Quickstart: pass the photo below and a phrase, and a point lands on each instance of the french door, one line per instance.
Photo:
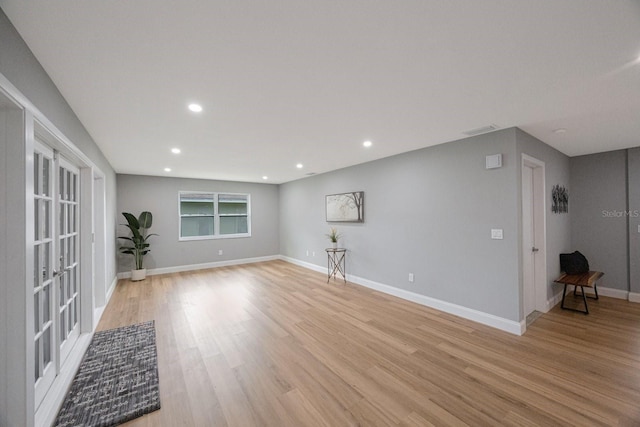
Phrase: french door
(56, 290)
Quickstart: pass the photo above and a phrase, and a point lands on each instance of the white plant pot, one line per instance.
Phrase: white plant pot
(335, 245)
(137, 275)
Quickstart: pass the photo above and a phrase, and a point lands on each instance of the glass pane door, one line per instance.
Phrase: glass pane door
(68, 271)
(56, 287)
(44, 282)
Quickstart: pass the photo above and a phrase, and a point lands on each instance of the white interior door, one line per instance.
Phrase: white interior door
(56, 287)
(44, 250)
(534, 265)
(528, 241)
(68, 271)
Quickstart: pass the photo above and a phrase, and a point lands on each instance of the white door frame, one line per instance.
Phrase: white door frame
(100, 279)
(17, 369)
(540, 231)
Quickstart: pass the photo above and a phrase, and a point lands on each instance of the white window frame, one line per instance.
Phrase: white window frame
(216, 217)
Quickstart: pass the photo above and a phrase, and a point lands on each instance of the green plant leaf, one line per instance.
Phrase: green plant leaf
(131, 220)
(145, 220)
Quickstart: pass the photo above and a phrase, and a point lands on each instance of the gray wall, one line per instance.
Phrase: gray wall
(605, 206)
(13, 268)
(23, 70)
(598, 203)
(159, 195)
(558, 226)
(633, 169)
(427, 212)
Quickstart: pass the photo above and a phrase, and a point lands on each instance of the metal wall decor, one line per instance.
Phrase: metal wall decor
(345, 207)
(560, 197)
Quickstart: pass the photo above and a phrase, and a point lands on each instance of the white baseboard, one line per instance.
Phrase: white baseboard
(192, 267)
(97, 313)
(611, 292)
(111, 289)
(605, 292)
(503, 324)
(308, 265)
(553, 301)
(634, 297)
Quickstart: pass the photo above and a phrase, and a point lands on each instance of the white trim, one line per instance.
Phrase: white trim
(215, 199)
(611, 292)
(541, 262)
(501, 323)
(98, 311)
(43, 121)
(553, 301)
(85, 240)
(634, 297)
(46, 413)
(112, 288)
(35, 122)
(602, 291)
(304, 264)
(191, 267)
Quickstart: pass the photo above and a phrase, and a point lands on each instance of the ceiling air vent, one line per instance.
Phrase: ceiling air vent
(483, 129)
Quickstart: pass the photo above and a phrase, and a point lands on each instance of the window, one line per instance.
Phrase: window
(214, 215)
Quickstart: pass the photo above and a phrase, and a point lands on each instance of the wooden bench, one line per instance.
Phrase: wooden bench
(586, 279)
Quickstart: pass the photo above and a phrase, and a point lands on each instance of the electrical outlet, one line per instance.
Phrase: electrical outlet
(410, 277)
(220, 252)
(313, 253)
(307, 252)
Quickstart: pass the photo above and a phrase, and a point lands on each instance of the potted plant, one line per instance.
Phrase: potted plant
(333, 236)
(138, 247)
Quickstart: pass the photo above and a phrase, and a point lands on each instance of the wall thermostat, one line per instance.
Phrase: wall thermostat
(494, 161)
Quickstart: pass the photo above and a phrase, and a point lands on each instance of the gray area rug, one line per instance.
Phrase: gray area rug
(117, 380)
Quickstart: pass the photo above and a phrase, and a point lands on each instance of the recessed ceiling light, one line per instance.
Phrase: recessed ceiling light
(167, 169)
(196, 108)
(560, 130)
(299, 165)
(175, 150)
(265, 177)
(367, 144)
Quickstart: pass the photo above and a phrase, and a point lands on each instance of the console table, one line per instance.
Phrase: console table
(336, 263)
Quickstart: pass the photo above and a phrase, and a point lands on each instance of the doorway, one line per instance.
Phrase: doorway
(534, 268)
(56, 290)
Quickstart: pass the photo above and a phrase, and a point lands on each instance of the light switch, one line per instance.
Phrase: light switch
(639, 229)
(496, 233)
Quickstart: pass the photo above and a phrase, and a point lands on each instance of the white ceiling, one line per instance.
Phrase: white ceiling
(288, 81)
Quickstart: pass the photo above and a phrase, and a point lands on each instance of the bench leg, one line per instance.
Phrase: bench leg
(584, 298)
(564, 294)
(595, 289)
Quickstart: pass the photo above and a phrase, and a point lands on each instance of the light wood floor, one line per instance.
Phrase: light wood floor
(272, 344)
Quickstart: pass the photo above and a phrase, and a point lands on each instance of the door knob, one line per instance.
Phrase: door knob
(534, 249)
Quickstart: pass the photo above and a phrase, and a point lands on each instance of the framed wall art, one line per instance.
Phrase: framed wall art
(345, 207)
(560, 198)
